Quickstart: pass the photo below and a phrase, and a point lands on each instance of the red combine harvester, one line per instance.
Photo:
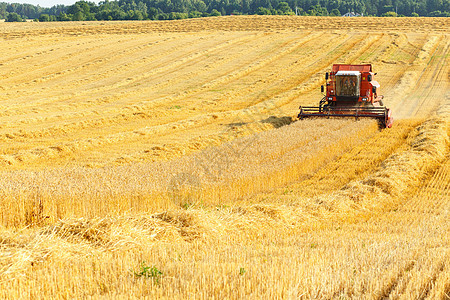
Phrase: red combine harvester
(351, 92)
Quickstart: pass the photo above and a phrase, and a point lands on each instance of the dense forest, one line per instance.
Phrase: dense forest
(181, 9)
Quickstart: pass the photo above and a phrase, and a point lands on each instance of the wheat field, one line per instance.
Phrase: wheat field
(163, 159)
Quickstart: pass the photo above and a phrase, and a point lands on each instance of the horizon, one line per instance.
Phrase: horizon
(48, 3)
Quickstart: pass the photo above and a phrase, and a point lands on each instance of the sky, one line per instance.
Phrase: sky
(47, 3)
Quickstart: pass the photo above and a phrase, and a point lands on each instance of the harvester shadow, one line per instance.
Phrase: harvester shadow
(276, 122)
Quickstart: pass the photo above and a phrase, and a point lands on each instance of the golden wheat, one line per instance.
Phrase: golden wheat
(161, 160)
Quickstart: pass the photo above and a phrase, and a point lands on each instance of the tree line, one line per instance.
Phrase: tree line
(182, 9)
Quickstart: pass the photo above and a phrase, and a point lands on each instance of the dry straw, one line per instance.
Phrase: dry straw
(217, 175)
(235, 250)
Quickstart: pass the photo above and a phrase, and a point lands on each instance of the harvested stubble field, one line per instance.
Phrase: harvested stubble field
(162, 160)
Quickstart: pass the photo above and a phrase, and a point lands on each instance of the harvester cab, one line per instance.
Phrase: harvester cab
(350, 92)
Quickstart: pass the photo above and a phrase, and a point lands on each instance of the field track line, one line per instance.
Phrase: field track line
(438, 83)
(194, 53)
(38, 48)
(230, 43)
(413, 52)
(54, 56)
(135, 108)
(109, 56)
(411, 100)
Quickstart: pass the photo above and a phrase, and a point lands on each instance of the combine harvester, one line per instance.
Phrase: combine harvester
(351, 92)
